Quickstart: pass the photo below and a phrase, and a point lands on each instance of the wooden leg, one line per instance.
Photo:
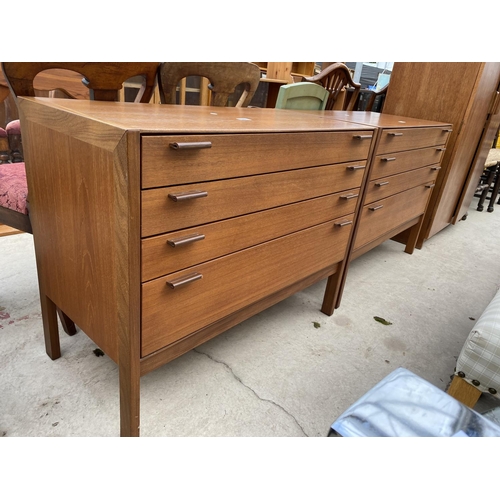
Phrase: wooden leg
(50, 328)
(413, 236)
(464, 392)
(129, 399)
(331, 294)
(67, 323)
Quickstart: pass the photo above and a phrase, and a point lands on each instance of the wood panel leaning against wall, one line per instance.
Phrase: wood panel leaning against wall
(466, 95)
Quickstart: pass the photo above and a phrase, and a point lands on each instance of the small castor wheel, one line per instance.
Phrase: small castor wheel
(465, 217)
(490, 209)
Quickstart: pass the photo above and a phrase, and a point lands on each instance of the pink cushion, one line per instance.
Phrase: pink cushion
(14, 127)
(13, 187)
(3, 133)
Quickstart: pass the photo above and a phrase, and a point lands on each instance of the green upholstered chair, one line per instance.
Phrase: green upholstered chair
(303, 96)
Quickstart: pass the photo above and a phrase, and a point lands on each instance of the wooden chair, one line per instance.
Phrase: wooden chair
(224, 77)
(335, 78)
(303, 96)
(380, 94)
(104, 81)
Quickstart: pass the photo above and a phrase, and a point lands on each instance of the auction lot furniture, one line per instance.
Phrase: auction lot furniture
(176, 223)
(405, 405)
(171, 224)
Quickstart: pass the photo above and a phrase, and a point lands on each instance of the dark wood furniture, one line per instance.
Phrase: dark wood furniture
(223, 79)
(335, 78)
(104, 80)
(467, 96)
(181, 223)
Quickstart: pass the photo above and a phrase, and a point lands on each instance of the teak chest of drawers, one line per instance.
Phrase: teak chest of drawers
(404, 162)
(158, 227)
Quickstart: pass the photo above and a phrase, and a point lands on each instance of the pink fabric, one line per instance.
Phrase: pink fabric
(3, 133)
(13, 187)
(14, 127)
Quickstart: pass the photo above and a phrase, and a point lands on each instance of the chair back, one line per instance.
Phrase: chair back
(224, 77)
(334, 78)
(373, 97)
(104, 80)
(303, 96)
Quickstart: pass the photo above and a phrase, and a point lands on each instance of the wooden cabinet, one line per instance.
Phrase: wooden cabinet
(158, 227)
(466, 95)
(403, 165)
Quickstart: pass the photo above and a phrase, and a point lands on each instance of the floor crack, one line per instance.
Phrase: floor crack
(250, 389)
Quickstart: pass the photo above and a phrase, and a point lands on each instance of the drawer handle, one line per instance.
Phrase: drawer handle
(379, 184)
(430, 185)
(447, 130)
(361, 137)
(184, 240)
(435, 168)
(388, 159)
(349, 196)
(189, 278)
(395, 134)
(343, 223)
(378, 207)
(190, 145)
(187, 195)
(355, 167)
(440, 149)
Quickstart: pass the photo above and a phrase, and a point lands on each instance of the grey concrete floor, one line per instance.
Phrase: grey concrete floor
(276, 374)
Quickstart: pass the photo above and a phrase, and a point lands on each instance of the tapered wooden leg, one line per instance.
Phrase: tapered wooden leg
(331, 293)
(413, 236)
(50, 328)
(66, 322)
(464, 392)
(129, 399)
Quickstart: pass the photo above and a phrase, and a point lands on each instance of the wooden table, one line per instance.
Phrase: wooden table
(158, 227)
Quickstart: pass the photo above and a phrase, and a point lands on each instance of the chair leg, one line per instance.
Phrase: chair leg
(67, 323)
(496, 188)
(482, 198)
(464, 392)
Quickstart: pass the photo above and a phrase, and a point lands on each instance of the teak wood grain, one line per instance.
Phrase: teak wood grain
(228, 236)
(233, 197)
(235, 281)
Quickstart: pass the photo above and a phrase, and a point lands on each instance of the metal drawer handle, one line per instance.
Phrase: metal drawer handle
(447, 130)
(190, 145)
(349, 196)
(355, 167)
(435, 168)
(360, 137)
(379, 184)
(376, 208)
(440, 149)
(184, 240)
(187, 195)
(388, 159)
(343, 223)
(189, 278)
(430, 185)
(395, 134)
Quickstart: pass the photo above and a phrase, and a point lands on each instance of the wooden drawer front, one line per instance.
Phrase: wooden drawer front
(235, 281)
(391, 164)
(159, 257)
(411, 138)
(239, 155)
(387, 186)
(395, 210)
(244, 195)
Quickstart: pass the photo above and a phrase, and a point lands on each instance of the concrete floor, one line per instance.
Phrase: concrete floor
(276, 374)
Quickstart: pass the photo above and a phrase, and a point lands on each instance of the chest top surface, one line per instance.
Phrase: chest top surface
(164, 118)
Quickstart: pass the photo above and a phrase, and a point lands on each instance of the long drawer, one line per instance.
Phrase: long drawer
(393, 184)
(386, 214)
(396, 163)
(238, 155)
(394, 140)
(233, 197)
(221, 286)
(171, 252)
